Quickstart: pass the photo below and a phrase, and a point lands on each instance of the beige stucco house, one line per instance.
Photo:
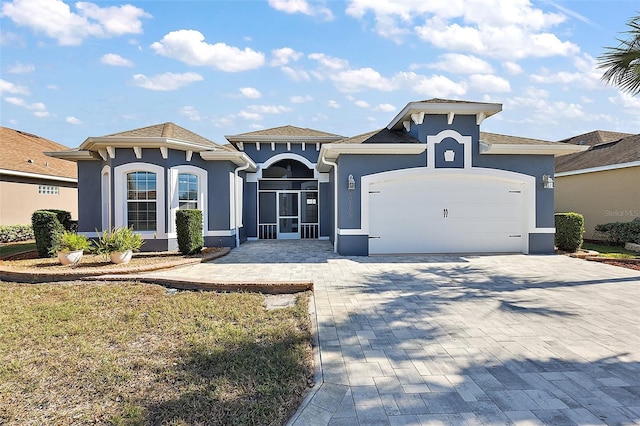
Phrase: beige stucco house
(30, 180)
(602, 183)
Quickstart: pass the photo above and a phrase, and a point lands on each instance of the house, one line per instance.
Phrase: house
(30, 180)
(429, 182)
(603, 183)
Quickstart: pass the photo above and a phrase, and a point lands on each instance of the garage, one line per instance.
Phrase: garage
(448, 212)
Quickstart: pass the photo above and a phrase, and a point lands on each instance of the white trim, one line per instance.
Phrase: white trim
(599, 169)
(282, 138)
(236, 157)
(164, 151)
(172, 178)
(95, 143)
(543, 231)
(529, 201)
(252, 177)
(350, 232)
(111, 151)
(36, 176)
(273, 146)
(443, 108)
(287, 156)
(322, 177)
(138, 152)
(103, 154)
(188, 155)
(223, 233)
(433, 140)
(232, 196)
(332, 151)
(105, 197)
(120, 199)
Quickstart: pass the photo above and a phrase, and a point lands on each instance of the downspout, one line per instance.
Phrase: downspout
(235, 200)
(335, 202)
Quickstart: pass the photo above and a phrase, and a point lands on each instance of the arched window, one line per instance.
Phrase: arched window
(142, 213)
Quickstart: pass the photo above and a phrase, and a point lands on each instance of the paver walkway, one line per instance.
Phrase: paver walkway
(459, 339)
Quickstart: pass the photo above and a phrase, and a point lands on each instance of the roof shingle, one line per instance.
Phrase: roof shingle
(24, 152)
(620, 151)
(287, 131)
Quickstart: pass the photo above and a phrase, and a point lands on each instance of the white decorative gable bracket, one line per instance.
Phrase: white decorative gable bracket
(165, 152)
(407, 125)
(450, 117)
(480, 117)
(418, 117)
(112, 152)
(138, 151)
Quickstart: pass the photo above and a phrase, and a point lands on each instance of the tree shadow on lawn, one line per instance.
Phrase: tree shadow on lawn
(250, 383)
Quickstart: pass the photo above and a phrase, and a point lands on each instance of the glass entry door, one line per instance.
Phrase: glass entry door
(288, 215)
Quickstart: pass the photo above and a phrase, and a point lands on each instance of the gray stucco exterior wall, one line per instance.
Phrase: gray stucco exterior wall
(265, 152)
(89, 196)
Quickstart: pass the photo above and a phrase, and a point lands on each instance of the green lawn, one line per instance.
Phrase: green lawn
(129, 354)
(614, 252)
(8, 249)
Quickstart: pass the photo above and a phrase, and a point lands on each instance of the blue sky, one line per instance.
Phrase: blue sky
(70, 70)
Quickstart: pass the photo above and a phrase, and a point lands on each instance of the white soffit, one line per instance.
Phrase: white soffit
(448, 108)
(237, 158)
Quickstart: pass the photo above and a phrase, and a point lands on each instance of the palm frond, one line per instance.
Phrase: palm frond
(622, 63)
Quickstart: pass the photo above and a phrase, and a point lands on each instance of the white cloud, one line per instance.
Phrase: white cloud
(333, 104)
(303, 7)
(489, 83)
(8, 87)
(296, 75)
(72, 120)
(586, 75)
(385, 108)
(284, 56)
(19, 68)
(39, 109)
(436, 86)
(493, 28)
(462, 64)
(188, 46)
(246, 115)
(250, 93)
(361, 104)
(167, 81)
(191, 113)
(330, 62)
(512, 67)
(630, 103)
(300, 99)
(115, 60)
(268, 109)
(56, 19)
(355, 80)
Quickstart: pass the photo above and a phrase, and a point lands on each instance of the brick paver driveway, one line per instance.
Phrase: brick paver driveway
(460, 339)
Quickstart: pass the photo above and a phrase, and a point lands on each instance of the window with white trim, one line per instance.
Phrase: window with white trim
(48, 190)
(141, 201)
(187, 191)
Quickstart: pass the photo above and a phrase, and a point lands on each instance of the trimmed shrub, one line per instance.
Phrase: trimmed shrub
(64, 217)
(14, 233)
(47, 230)
(619, 233)
(189, 229)
(569, 231)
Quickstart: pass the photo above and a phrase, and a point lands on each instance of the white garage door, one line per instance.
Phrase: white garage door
(431, 214)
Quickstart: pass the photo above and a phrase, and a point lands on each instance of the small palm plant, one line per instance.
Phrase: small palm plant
(70, 246)
(118, 240)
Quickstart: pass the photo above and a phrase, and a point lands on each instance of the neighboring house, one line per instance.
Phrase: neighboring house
(430, 182)
(603, 183)
(30, 180)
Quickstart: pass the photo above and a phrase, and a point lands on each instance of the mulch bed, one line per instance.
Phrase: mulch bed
(27, 267)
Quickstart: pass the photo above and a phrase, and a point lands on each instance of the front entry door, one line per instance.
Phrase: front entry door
(288, 215)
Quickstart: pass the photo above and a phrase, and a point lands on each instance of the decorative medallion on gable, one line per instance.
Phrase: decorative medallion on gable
(449, 150)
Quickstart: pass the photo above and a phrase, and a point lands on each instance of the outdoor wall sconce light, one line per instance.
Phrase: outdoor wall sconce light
(352, 183)
(547, 182)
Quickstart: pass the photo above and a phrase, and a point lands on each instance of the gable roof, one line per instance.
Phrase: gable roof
(381, 136)
(596, 137)
(22, 153)
(617, 152)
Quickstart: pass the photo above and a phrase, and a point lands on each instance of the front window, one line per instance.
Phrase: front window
(141, 201)
(187, 191)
